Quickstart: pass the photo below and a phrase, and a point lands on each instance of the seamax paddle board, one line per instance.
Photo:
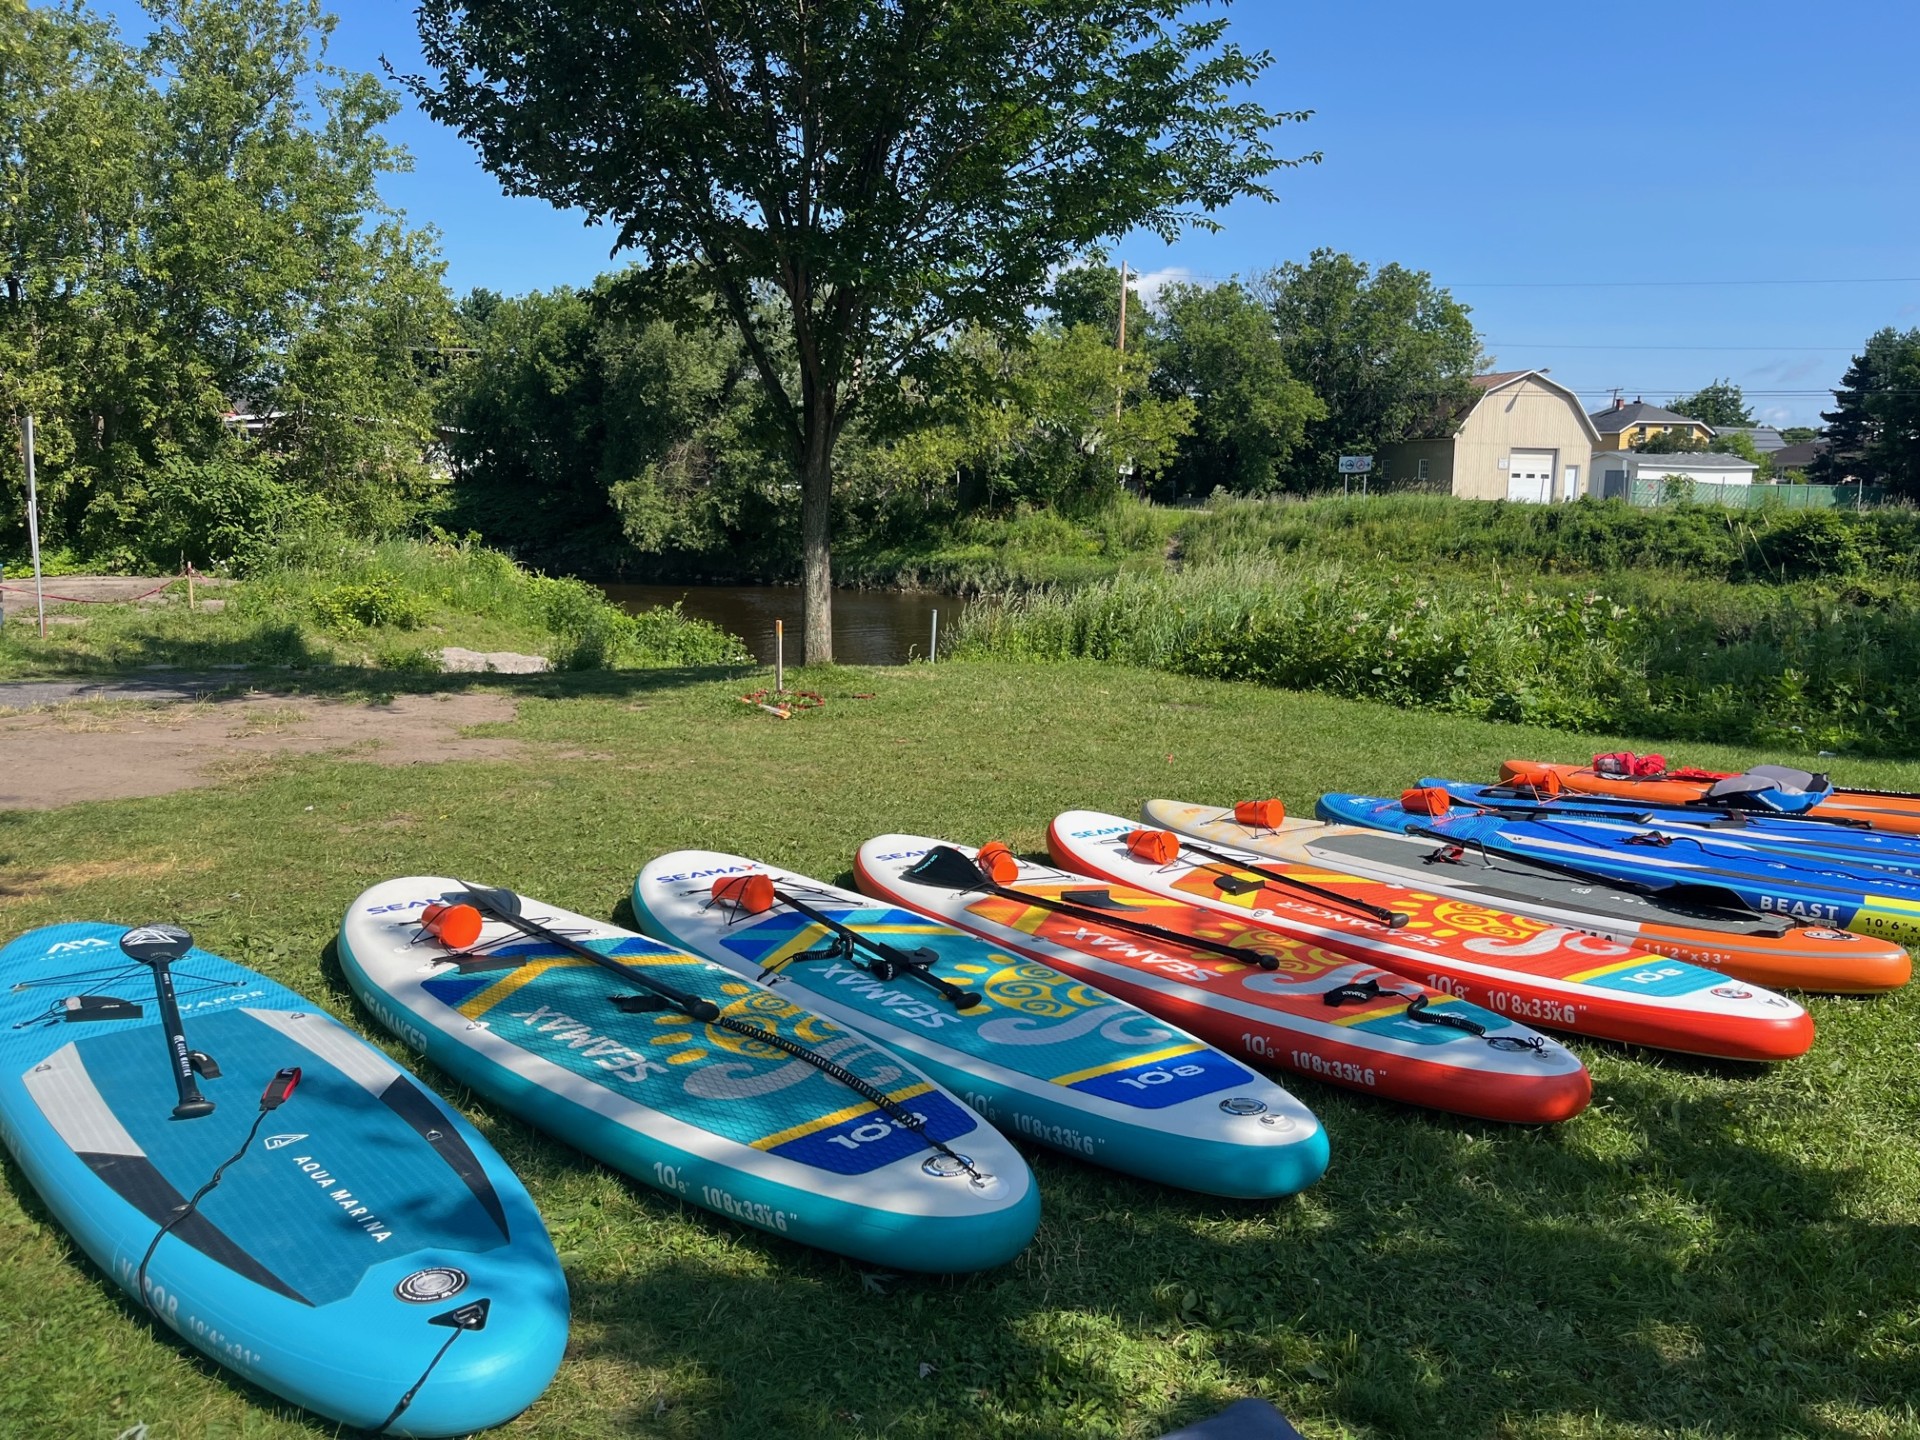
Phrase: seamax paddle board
(875, 1162)
(1549, 975)
(1807, 890)
(1314, 1012)
(365, 1254)
(1037, 1051)
(1765, 949)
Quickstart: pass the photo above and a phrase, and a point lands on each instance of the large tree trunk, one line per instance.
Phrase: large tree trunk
(816, 543)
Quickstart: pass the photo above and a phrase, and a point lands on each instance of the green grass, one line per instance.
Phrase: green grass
(366, 607)
(1711, 1250)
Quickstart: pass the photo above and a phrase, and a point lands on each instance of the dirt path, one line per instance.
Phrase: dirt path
(74, 753)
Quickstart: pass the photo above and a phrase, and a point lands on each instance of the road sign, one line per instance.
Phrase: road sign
(1355, 464)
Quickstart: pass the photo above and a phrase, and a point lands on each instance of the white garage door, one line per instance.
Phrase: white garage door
(1530, 476)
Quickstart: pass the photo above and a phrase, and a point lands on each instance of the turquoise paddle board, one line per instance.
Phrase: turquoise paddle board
(1041, 1054)
(365, 1254)
(705, 1112)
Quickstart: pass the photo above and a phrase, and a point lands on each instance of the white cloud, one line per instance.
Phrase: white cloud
(1150, 283)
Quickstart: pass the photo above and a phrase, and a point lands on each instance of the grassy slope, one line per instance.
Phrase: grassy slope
(1711, 1250)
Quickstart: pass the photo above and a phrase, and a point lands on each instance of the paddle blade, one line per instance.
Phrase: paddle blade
(1259, 814)
(750, 893)
(947, 868)
(996, 862)
(156, 944)
(1159, 847)
(1426, 800)
(491, 900)
(454, 926)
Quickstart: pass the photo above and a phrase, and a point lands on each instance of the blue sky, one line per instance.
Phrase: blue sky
(1543, 161)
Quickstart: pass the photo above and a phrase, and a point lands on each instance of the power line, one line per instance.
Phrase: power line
(1671, 284)
(1580, 345)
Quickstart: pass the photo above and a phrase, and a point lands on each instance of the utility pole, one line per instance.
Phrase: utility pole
(33, 497)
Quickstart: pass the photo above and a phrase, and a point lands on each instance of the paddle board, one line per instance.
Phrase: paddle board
(1042, 1054)
(1765, 949)
(363, 1239)
(1805, 890)
(1548, 975)
(697, 1111)
(1882, 809)
(1283, 1017)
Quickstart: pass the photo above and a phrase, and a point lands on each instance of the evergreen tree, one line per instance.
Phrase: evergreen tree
(1873, 431)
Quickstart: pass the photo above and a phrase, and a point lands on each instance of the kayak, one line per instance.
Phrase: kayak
(1313, 1012)
(737, 1100)
(1790, 835)
(1764, 949)
(1808, 891)
(1894, 810)
(341, 1238)
(1549, 975)
(1036, 1051)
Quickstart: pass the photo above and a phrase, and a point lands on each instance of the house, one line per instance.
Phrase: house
(1615, 471)
(1624, 426)
(1765, 438)
(1797, 457)
(1522, 436)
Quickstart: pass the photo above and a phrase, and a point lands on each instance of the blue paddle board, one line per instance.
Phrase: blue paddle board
(1040, 1053)
(363, 1239)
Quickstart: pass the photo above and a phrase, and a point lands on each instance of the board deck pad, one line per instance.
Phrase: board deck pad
(1553, 975)
(1044, 1054)
(1765, 949)
(290, 1272)
(1280, 1016)
(699, 1111)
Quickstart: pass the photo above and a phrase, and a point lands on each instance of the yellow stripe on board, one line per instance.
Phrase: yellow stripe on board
(1614, 967)
(838, 1117)
(477, 1004)
(1151, 1057)
(1365, 1015)
(1898, 906)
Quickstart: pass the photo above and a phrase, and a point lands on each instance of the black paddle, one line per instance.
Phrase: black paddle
(1391, 919)
(1711, 812)
(949, 869)
(504, 906)
(157, 947)
(887, 961)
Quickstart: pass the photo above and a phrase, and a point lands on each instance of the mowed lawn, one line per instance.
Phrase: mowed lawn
(1710, 1250)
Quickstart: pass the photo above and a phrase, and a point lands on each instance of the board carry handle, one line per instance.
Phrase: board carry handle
(157, 947)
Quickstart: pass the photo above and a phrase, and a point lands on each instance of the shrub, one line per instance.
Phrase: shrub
(357, 605)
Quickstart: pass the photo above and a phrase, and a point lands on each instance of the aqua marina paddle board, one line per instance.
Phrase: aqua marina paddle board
(912, 1179)
(363, 1240)
(1040, 1053)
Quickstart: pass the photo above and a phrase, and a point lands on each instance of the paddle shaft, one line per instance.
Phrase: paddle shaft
(1392, 919)
(960, 999)
(1610, 807)
(1137, 927)
(695, 1007)
(192, 1104)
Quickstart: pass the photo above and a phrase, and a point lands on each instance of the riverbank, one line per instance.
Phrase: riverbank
(1636, 1273)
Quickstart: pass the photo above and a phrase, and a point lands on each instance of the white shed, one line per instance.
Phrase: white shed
(1614, 472)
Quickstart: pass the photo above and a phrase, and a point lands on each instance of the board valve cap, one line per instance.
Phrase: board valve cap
(455, 926)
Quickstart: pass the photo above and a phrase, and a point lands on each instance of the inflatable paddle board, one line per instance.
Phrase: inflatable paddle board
(850, 1150)
(1789, 835)
(1035, 1050)
(1767, 950)
(1555, 976)
(1314, 1012)
(1882, 809)
(1803, 889)
(365, 1254)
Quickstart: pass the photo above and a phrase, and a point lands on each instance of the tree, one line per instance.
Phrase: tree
(1216, 346)
(1389, 354)
(1873, 431)
(1799, 434)
(887, 170)
(1720, 404)
(1675, 441)
(1089, 294)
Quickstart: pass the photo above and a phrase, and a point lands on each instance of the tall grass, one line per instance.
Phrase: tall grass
(1670, 659)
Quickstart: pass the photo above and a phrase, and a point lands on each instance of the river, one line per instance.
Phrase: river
(870, 627)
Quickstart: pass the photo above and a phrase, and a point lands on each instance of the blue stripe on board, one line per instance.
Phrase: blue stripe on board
(1168, 1082)
(868, 1141)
